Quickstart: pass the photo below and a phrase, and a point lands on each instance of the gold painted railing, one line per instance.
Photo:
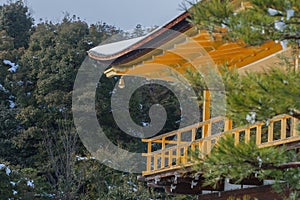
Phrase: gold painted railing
(171, 150)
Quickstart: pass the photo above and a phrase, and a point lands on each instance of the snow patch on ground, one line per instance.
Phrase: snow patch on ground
(2, 166)
(12, 104)
(30, 183)
(273, 12)
(13, 67)
(290, 13)
(279, 25)
(7, 171)
(79, 158)
(20, 83)
(2, 88)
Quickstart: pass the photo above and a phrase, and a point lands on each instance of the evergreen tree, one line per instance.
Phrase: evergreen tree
(9, 124)
(48, 71)
(247, 161)
(263, 95)
(138, 31)
(31, 134)
(15, 19)
(8, 130)
(254, 21)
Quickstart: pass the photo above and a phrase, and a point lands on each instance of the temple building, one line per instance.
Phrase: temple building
(173, 49)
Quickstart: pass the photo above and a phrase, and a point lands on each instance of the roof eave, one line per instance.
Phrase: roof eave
(179, 24)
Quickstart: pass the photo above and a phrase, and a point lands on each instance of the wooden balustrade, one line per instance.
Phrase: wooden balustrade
(171, 150)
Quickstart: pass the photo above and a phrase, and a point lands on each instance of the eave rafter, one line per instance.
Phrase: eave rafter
(203, 47)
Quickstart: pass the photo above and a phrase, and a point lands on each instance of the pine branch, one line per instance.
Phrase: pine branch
(296, 113)
(270, 166)
(290, 37)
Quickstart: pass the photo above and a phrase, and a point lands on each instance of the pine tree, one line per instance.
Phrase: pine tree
(254, 22)
(30, 134)
(259, 96)
(15, 19)
(246, 161)
(264, 94)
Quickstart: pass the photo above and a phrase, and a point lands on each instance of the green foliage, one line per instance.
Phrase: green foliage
(237, 162)
(245, 197)
(266, 94)
(17, 22)
(21, 183)
(246, 160)
(7, 42)
(210, 15)
(48, 71)
(37, 136)
(254, 22)
(8, 130)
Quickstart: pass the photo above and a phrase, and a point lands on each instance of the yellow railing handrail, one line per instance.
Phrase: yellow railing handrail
(187, 128)
(240, 129)
(169, 149)
(163, 159)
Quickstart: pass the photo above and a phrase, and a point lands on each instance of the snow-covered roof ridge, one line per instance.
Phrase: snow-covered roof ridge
(115, 47)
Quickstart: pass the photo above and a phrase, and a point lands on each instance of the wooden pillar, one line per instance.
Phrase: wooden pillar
(206, 112)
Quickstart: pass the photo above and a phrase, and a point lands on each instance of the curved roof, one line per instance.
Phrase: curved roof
(134, 56)
(127, 50)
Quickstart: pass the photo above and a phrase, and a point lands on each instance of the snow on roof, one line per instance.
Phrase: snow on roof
(113, 49)
(116, 47)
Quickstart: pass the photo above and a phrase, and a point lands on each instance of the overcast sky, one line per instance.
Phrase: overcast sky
(124, 14)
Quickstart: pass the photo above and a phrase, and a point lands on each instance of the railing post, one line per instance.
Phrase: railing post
(294, 127)
(208, 146)
(206, 111)
(163, 147)
(200, 147)
(178, 149)
(149, 156)
(236, 137)
(209, 129)
(193, 139)
(155, 162)
(247, 135)
(227, 125)
(170, 158)
(185, 155)
(204, 147)
(271, 132)
(258, 134)
(283, 129)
